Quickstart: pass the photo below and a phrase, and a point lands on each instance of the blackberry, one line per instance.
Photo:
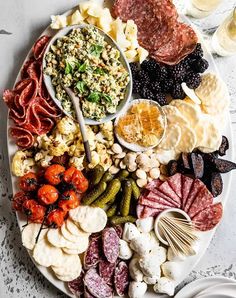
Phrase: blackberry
(193, 80)
(198, 52)
(150, 66)
(178, 72)
(163, 75)
(134, 68)
(177, 92)
(147, 93)
(143, 77)
(161, 99)
(200, 65)
(156, 87)
(137, 86)
(167, 85)
(186, 63)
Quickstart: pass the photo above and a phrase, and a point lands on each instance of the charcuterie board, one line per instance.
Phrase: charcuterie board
(54, 274)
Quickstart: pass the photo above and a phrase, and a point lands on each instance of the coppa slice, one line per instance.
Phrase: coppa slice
(208, 218)
(110, 242)
(203, 200)
(186, 187)
(168, 191)
(196, 187)
(175, 183)
(96, 285)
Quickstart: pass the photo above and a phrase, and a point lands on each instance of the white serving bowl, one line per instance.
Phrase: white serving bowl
(48, 82)
(132, 146)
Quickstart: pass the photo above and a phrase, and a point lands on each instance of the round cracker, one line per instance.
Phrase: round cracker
(71, 264)
(46, 254)
(170, 110)
(200, 132)
(212, 138)
(71, 251)
(67, 278)
(74, 228)
(91, 219)
(68, 236)
(187, 141)
(171, 137)
(29, 234)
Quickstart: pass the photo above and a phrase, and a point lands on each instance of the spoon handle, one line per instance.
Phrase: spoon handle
(82, 126)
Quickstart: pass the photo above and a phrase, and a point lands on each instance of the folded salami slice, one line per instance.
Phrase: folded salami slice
(155, 197)
(168, 199)
(145, 211)
(121, 278)
(195, 189)
(106, 271)
(119, 230)
(110, 242)
(168, 191)
(93, 254)
(96, 285)
(40, 46)
(146, 202)
(76, 286)
(24, 139)
(154, 184)
(175, 183)
(208, 218)
(203, 200)
(186, 187)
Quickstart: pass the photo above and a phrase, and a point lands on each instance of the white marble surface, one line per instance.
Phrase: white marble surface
(24, 20)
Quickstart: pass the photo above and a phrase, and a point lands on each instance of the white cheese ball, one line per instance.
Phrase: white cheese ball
(164, 286)
(149, 266)
(172, 270)
(172, 257)
(145, 225)
(151, 280)
(134, 270)
(137, 289)
(125, 252)
(154, 240)
(130, 232)
(141, 244)
(159, 254)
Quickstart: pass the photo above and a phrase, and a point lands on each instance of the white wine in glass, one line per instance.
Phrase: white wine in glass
(224, 39)
(201, 8)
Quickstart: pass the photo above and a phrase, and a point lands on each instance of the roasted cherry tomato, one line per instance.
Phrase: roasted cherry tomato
(54, 174)
(19, 199)
(29, 182)
(69, 200)
(76, 178)
(56, 218)
(34, 211)
(47, 194)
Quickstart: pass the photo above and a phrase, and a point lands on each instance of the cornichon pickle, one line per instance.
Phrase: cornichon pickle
(112, 210)
(107, 177)
(117, 220)
(96, 175)
(126, 198)
(135, 189)
(123, 174)
(91, 196)
(110, 193)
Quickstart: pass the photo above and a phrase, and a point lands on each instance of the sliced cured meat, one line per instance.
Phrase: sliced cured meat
(93, 253)
(24, 71)
(96, 285)
(155, 197)
(121, 278)
(150, 212)
(76, 286)
(168, 199)
(208, 218)
(175, 183)
(195, 189)
(24, 139)
(110, 243)
(40, 47)
(140, 210)
(119, 230)
(106, 271)
(168, 191)
(186, 187)
(154, 184)
(146, 202)
(203, 200)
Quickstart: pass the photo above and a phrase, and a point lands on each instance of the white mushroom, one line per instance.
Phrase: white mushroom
(165, 286)
(116, 148)
(141, 182)
(134, 270)
(137, 289)
(141, 174)
(130, 232)
(141, 245)
(125, 252)
(130, 158)
(172, 270)
(154, 173)
(145, 225)
(151, 280)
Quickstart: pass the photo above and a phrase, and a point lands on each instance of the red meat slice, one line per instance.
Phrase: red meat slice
(24, 139)
(154, 184)
(195, 189)
(175, 183)
(155, 197)
(40, 46)
(146, 202)
(208, 218)
(203, 200)
(168, 199)
(186, 187)
(145, 211)
(168, 191)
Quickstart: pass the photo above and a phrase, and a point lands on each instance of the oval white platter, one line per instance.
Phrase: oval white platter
(206, 237)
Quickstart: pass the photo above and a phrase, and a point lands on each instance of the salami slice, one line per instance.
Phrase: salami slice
(195, 189)
(106, 271)
(167, 199)
(110, 242)
(76, 286)
(96, 285)
(24, 139)
(150, 212)
(175, 183)
(150, 203)
(119, 230)
(121, 278)
(93, 254)
(40, 46)
(140, 211)
(154, 184)
(208, 218)
(186, 187)
(203, 200)
(168, 191)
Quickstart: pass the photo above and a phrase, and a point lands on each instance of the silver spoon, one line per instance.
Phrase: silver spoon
(80, 118)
